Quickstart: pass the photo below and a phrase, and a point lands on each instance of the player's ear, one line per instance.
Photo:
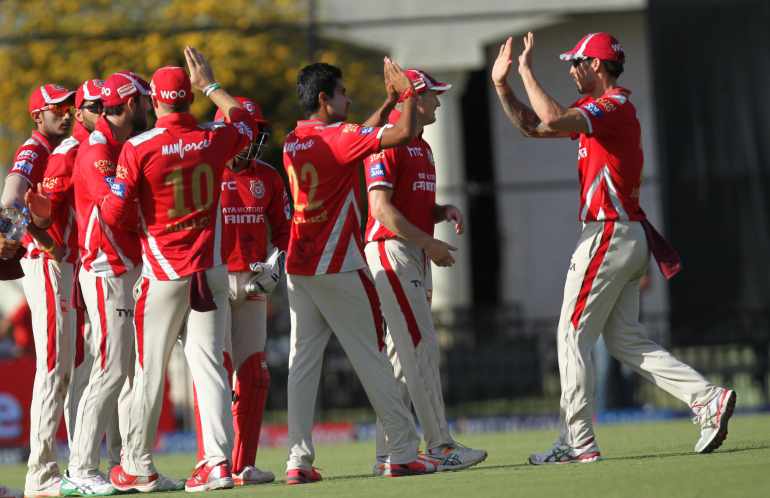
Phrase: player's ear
(323, 99)
(37, 117)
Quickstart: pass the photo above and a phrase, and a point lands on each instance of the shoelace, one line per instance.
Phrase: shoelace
(704, 416)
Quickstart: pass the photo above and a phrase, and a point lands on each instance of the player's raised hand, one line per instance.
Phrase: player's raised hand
(396, 76)
(201, 74)
(440, 252)
(525, 59)
(502, 65)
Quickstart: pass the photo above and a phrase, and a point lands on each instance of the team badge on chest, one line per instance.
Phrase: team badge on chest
(257, 188)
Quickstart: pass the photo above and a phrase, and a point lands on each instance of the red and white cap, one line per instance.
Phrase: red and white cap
(89, 91)
(171, 85)
(45, 95)
(601, 46)
(423, 82)
(121, 86)
(250, 106)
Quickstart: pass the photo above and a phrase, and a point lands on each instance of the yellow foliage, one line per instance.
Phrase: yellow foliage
(255, 47)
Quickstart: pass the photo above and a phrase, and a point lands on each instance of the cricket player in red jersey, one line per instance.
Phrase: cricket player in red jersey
(111, 263)
(46, 283)
(601, 295)
(255, 218)
(330, 288)
(401, 182)
(57, 185)
(174, 171)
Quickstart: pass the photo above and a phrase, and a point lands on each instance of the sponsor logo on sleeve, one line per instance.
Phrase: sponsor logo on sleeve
(244, 129)
(605, 104)
(350, 128)
(24, 167)
(118, 188)
(366, 130)
(377, 170)
(27, 154)
(121, 172)
(105, 167)
(50, 183)
(593, 109)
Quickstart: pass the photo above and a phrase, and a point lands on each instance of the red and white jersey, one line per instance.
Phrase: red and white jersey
(323, 165)
(105, 250)
(409, 171)
(58, 187)
(610, 158)
(175, 172)
(29, 162)
(255, 212)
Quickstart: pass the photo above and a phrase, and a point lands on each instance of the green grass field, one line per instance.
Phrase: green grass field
(651, 460)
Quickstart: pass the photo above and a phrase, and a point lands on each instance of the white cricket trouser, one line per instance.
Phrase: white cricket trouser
(247, 320)
(601, 296)
(402, 274)
(346, 304)
(47, 285)
(162, 309)
(110, 305)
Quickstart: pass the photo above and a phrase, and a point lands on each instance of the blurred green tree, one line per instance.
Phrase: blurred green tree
(255, 47)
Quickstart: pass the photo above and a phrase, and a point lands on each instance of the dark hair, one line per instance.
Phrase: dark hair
(314, 79)
(183, 106)
(613, 68)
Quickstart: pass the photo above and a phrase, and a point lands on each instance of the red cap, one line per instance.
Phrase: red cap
(422, 82)
(89, 91)
(48, 94)
(170, 85)
(601, 46)
(121, 86)
(250, 106)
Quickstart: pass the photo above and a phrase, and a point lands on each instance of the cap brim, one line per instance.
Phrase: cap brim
(440, 87)
(567, 56)
(62, 98)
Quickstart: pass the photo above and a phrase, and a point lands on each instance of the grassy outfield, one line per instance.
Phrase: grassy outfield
(640, 460)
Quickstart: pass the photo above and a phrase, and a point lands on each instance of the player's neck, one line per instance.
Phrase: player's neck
(603, 86)
(53, 140)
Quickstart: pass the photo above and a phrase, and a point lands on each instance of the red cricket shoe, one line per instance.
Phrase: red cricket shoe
(414, 468)
(123, 481)
(207, 477)
(302, 476)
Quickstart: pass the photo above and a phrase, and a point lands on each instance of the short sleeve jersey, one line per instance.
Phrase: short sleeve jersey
(58, 187)
(255, 213)
(175, 172)
(30, 162)
(409, 171)
(323, 163)
(610, 158)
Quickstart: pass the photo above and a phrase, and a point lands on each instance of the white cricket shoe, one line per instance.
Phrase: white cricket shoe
(562, 453)
(252, 475)
(455, 456)
(6, 492)
(713, 418)
(52, 489)
(86, 486)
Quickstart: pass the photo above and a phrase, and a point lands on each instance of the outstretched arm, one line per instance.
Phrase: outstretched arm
(552, 115)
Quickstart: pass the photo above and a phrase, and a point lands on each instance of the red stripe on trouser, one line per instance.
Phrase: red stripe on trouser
(591, 272)
(374, 303)
(139, 320)
(101, 307)
(398, 290)
(50, 314)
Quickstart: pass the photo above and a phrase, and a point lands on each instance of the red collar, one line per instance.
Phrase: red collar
(103, 126)
(305, 123)
(80, 132)
(617, 89)
(42, 139)
(177, 120)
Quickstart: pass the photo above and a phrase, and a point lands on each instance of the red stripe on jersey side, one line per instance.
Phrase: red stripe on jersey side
(374, 303)
(51, 303)
(102, 310)
(591, 271)
(347, 232)
(139, 319)
(80, 335)
(398, 290)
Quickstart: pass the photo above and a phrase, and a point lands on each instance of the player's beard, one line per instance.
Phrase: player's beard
(139, 122)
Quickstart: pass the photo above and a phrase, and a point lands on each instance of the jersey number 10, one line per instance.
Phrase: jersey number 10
(202, 179)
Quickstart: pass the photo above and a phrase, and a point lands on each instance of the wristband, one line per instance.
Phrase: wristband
(409, 92)
(211, 88)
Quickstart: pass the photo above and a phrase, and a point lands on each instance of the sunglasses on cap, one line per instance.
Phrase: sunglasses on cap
(577, 62)
(58, 109)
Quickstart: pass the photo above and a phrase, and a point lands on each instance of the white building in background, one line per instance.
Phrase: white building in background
(538, 198)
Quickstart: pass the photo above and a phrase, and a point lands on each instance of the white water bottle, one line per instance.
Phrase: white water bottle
(13, 222)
